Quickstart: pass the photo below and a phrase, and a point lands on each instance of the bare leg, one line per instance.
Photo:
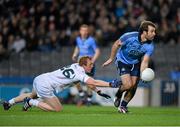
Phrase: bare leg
(89, 96)
(8, 104)
(54, 102)
(126, 85)
(130, 93)
(78, 86)
(21, 97)
(48, 104)
(81, 94)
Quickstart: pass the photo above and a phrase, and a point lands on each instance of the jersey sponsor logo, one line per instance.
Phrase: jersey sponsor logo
(134, 50)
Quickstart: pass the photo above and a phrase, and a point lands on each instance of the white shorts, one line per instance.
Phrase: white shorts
(42, 88)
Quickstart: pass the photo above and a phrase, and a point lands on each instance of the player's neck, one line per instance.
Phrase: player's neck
(84, 37)
(143, 38)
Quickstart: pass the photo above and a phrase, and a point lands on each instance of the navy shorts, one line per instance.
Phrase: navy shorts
(132, 69)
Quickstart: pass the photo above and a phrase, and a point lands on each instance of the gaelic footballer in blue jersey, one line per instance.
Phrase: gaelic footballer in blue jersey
(131, 53)
(85, 46)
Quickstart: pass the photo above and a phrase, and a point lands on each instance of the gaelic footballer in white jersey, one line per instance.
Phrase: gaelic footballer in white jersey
(45, 84)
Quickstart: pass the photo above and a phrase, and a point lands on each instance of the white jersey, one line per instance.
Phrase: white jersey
(62, 77)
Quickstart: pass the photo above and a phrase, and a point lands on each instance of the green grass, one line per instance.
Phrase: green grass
(91, 116)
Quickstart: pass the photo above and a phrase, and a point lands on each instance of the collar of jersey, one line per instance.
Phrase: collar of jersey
(139, 39)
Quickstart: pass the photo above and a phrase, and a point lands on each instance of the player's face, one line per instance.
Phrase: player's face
(89, 66)
(84, 31)
(150, 33)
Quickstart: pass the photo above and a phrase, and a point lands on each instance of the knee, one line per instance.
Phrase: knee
(128, 86)
(58, 109)
(31, 95)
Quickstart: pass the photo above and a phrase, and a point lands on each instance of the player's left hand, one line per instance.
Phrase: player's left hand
(103, 94)
(115, 83)
(107, 62)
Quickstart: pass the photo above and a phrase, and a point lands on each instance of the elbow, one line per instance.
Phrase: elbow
(117, 44)
(98, 52)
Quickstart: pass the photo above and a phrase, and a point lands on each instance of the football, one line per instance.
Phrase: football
(147, 75)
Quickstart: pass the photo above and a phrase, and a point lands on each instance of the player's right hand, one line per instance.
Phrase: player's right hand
(74, 58)
(142, 81)
(107, 62)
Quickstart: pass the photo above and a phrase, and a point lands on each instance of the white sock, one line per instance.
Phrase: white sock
(81, 94)
(11, 102)
(89, 99)
(34, 102)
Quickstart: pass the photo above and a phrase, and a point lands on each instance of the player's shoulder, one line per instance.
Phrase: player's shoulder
(134, 33)
(77, 67)
(91, 41)
(129, 35)
(90, 37)
(149, 46)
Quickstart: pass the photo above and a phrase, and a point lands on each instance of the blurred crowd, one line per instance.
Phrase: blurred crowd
(47, 25)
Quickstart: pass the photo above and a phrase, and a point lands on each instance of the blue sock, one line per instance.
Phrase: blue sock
(124, 103)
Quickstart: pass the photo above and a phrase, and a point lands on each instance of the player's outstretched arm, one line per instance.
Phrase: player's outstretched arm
(101, 83)
(114, 83)
(114, 49)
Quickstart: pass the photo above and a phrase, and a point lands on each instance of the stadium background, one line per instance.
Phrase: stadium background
(37, 36)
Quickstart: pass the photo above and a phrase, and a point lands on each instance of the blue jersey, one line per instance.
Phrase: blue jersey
(86, 47)
(132, 50)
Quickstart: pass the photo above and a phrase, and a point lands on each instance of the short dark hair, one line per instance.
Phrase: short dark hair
(144, 26)
(84, 26)
(83, 60)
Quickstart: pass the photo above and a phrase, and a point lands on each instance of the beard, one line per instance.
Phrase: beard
(150, 38)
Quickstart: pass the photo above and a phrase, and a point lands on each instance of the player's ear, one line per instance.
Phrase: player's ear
(84, 66)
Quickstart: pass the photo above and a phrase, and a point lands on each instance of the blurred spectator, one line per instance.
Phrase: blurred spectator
(175, 74)
(32, 40)
(17, 45)
(35, 20)
(3, 52)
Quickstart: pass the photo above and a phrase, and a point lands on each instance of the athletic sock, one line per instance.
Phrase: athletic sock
(81, 94)
(119, 93)
(12, 101)
(89, 98)
(34, 102)
(124, 103)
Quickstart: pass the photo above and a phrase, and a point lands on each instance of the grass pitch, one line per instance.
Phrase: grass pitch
(72, 115)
